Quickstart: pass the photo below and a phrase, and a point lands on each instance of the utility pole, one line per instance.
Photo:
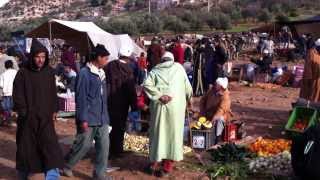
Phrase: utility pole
(149, 6)
(208, 6)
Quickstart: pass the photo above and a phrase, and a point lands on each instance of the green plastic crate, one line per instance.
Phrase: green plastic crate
(301, 112)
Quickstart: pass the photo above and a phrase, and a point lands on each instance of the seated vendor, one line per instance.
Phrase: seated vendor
(215, 105)
(264, 62)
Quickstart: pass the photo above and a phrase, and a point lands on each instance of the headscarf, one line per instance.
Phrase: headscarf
(167, 56)
(223, 82)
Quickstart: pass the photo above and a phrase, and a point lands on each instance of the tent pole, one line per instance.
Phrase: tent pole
(50, 31)
(89, 47)
(274, 29)
(50, 41)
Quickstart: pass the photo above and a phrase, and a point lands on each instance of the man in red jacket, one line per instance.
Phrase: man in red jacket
(178, 52)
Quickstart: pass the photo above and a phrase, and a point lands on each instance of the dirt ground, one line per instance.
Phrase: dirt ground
(264, 111)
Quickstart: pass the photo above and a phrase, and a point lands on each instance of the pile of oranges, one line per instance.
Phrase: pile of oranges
(268, 147)
(267, 86)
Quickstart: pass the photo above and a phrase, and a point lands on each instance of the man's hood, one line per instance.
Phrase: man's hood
(37, 47)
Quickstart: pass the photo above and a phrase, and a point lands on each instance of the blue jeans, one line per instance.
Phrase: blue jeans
(7, 106)
(52, 174)
(7, 103)
(134, 117)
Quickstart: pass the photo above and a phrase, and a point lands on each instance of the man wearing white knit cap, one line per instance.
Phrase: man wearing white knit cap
(121, 96)
(310, 89)
(215, 105)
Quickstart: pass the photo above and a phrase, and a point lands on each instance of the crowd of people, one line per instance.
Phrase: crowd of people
(105, 92)
(161, 81)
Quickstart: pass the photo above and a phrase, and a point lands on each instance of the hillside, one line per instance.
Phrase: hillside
(131, 16)
(23, 10)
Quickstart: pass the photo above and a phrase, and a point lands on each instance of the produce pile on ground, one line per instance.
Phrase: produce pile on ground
(269, 147)
(276, 164)
(229, 153)
(273, 156)
(267, 86)
(229, 160)
(264, 156)
(140, 144)
(234, 170)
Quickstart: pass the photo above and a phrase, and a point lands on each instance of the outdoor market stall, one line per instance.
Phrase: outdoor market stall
(84, 35)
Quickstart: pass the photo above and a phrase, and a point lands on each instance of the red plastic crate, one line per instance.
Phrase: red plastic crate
(230, 132)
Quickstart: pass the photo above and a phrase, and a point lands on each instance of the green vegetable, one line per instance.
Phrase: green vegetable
(234, 170)
(229, 153)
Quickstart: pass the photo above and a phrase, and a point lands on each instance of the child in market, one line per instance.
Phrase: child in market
(6, 84)
(136, 116)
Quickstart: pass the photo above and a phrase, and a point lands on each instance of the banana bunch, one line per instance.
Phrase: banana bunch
(140, 144)
(202, 123)
(136, 143)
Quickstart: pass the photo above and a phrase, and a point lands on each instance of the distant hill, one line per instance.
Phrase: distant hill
(23, 10)
(129, 16)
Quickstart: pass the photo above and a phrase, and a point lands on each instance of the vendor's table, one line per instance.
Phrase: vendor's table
(64, 114)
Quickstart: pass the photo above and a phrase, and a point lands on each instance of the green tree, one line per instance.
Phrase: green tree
(249, 13)
(149, 24)
(276, 8)
(135, 4)
(5, 32)
(282, 18)
(293, 13)
(212, 21)
(265, 16)
(288, 5)
(194, 19)
(236, 15)
(172, 23)
(224, 22)
(140, 3)
(107, 9)
(197, 21)
(130, 4)
(119, 26)
(227, 7)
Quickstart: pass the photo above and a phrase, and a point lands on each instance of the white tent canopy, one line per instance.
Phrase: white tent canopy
(83, 35)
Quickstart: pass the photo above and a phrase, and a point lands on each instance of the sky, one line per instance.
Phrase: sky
(3, 2)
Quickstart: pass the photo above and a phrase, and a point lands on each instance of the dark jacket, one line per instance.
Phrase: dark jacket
(265, 64)
(209, 59)
(220, 58)
(121, 90)
(91, 99)
(35, 100)
(154, 54)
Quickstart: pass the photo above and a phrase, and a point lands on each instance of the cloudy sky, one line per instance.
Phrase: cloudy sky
(2, 2)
